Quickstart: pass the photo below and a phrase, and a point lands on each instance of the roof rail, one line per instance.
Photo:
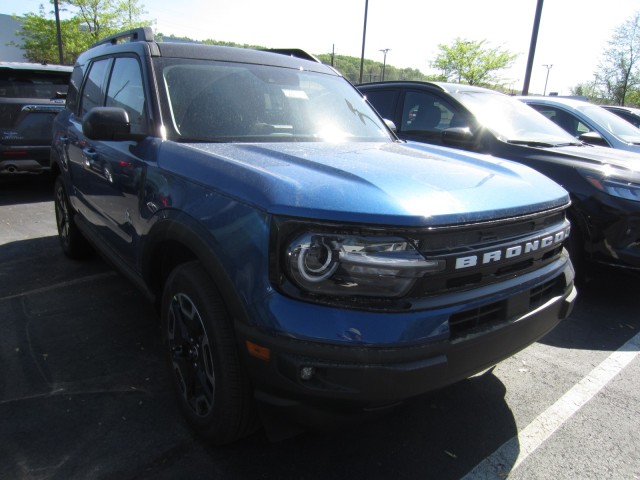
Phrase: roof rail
(143, 34)
(294, 52)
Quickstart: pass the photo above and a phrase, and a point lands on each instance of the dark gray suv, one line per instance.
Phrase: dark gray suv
(31, 95)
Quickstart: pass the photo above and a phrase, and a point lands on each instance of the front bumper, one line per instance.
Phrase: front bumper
(308, 380)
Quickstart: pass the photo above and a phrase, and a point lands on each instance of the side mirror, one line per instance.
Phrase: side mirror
(593, 138)
(108, 124)
(390, 125)
(458, 137)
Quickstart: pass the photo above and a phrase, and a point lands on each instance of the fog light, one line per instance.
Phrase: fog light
(306, 373)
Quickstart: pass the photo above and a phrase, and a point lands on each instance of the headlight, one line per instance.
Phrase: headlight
(616, 187)
(351, 265)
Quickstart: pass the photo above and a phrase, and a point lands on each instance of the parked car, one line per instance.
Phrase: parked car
(299, 255)
(630, 114)
(31, 95)
(604, 183)
(588, 122)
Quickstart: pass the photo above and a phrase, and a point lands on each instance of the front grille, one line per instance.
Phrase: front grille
(487, 253)
(471, 320)
(484, 317)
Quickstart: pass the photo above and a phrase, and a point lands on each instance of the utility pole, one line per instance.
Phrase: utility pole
(532, 48)
(364, 36)
(58, 32)
(384, 62)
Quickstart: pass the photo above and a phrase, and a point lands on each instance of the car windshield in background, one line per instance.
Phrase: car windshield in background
(612, 123)
(32, 83)
(221, 101)
(513, 121)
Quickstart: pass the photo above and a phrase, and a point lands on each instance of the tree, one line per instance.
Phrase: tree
(90, 20)
(471, 62)
(589, 90)
(618, 73)
(101, 18)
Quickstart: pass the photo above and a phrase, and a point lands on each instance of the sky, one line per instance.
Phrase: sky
(572, 37)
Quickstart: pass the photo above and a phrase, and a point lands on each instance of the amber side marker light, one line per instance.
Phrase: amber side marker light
(260, 352)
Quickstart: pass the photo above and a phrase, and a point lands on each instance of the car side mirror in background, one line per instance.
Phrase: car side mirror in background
(108, 124)
(593, 138)
(390, 125)
(460, 137)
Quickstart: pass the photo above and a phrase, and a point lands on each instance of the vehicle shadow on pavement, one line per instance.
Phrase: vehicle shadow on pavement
(85, 393)
(441, 435)
(605, 316)
(20, 189)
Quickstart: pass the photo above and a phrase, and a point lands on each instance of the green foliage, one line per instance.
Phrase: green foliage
(40, 42)
(90, 21)
(471, 62)
(618, 74)
(349, 67)
(589, 90)
(101, 18)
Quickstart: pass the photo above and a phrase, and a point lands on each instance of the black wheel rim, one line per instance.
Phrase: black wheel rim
(62, 215)
(191, 355)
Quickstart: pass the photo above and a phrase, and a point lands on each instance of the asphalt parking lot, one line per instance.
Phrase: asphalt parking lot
(84, 391)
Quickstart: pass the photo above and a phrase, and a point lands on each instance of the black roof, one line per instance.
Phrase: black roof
(142, 42)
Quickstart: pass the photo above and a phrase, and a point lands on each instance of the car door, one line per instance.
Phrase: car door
(564, 119)
(385, 102)
(425, 115)
(117, 167)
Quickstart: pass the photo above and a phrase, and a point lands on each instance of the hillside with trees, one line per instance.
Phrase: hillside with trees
(616, 80)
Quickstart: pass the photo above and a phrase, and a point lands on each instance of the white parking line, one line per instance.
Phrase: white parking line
(498, 464)
(48, 288)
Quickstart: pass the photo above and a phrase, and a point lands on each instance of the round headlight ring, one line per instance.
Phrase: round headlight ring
(324, 265)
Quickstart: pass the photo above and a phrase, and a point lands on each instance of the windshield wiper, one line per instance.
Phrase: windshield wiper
(532, 143)
(203, 140)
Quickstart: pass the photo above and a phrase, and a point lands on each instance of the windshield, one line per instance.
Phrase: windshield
(513, 121)
(222, 101)
(612, 123)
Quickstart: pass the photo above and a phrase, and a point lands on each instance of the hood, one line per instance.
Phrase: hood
(600, 156)
(373, 183)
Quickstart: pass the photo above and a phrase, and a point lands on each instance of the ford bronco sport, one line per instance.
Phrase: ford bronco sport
(306, 264)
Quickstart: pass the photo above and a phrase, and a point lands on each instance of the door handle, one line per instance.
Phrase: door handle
(90, 157)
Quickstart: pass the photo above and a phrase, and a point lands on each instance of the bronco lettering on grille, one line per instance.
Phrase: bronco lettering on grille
(542, 242)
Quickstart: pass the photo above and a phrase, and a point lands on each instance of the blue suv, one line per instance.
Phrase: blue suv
(305, 263)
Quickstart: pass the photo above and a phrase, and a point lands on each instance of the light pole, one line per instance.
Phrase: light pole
(532, 48)
(547, 79)
(58, 32)
(384, 62)
(364, 36)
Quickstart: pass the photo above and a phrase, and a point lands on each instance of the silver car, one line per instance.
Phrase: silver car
(588, 122)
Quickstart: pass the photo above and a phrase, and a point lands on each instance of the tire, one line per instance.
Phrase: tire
(212, 386)
(73, 243)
